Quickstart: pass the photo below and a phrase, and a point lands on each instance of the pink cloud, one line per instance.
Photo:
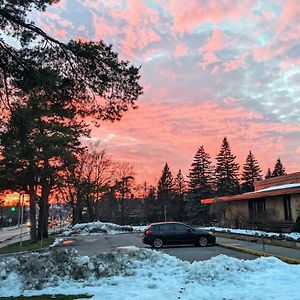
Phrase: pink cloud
(207, 59)
(102, 28)
(187, 17)
(265, 53)
(137, 32)
(60, 33)
(235, 64)
(215, 43)
(181, 50)
(288, 17)
(140, 40)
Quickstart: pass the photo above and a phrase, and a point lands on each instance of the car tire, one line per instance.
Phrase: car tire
(203, 241)
(158, 243)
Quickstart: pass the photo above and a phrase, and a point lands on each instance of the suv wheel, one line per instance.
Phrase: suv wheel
(203, 242)
(158, 243)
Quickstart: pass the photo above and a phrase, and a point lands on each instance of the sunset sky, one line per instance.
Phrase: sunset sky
(209, 69)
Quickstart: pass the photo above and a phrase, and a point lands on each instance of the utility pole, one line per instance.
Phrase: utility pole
(22, 193)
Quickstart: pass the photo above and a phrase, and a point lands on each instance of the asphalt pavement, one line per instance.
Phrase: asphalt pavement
(94, 244)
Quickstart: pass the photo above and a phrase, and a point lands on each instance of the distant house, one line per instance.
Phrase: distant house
(273, 206)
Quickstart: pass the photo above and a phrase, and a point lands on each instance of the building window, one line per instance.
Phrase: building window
(287, 207)
(257, 209)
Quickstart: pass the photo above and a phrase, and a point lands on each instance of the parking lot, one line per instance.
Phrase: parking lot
(96, 244)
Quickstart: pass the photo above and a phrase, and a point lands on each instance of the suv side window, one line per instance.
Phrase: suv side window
(181, 228)
(166, 228)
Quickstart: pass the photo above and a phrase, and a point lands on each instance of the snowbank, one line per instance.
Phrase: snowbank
(101, 227)
(133, 273)
(288, 236)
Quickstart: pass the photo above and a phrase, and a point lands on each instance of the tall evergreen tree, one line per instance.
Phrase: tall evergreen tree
(269, 174)
(165, 193)
(57, 85)
(227, 181)
(279, 169)
(200, 187)
(151, 206)
(180, 190)
(251, 173)
(180, 185)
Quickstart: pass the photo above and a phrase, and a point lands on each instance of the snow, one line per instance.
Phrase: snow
(133, 273)
(291, 236)
(101, 227)
(278, 187)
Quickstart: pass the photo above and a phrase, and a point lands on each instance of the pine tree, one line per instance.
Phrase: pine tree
(227, 181)
(179, 197)
(151, 207)
(269, 174)
(279, 169)
(251, 173)
(165, 193)
(57, 85)
(200, 187)
(180, 185)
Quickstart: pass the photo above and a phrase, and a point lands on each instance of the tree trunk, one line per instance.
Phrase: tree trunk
(44, 212)
(90, 210)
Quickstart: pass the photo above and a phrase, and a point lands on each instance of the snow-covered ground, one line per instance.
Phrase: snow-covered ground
(291, 236)
(133, 273)
(101, 227)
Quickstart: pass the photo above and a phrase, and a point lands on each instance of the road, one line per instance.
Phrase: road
(9, 233)
(96, 244)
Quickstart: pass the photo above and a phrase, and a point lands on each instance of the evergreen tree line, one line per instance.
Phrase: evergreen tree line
(179, 199)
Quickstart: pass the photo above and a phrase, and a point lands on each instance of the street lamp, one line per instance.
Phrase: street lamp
(22, 193)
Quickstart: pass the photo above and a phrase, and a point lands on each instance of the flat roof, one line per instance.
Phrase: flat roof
(286, 189)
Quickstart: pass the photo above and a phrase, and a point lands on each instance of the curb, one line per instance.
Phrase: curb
(258, 253)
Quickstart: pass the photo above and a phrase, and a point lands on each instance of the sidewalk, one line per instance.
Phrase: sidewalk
(288, 255)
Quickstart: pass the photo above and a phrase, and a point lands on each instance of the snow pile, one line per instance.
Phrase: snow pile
(57, 243)
(97, 227)
(133, 273)
(288, 236)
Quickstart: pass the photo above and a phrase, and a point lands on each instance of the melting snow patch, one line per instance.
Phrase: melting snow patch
(101, 227)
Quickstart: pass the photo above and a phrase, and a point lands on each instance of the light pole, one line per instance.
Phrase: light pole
(22, 193)
(19, 209)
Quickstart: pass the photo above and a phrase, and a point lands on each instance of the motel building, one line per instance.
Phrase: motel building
(273, 206)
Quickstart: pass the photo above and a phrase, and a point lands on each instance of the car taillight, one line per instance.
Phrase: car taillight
(148, 232)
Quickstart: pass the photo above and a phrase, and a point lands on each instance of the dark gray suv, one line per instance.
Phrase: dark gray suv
(171, 233)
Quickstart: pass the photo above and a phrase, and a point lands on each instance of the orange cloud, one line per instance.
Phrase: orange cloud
(162, 132)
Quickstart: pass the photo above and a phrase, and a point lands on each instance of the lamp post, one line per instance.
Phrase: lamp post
(22, 193)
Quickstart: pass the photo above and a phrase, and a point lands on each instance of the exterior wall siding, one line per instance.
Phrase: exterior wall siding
(275, 208)
(295, 206)
(236, 213)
